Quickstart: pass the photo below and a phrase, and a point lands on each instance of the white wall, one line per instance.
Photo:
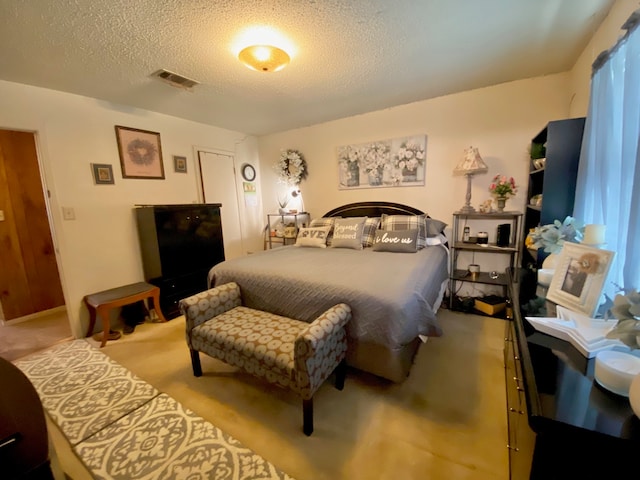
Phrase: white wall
(499, 120)
(606, 37)
(99, 249)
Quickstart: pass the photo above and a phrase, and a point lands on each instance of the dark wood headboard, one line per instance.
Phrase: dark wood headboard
(372, 209)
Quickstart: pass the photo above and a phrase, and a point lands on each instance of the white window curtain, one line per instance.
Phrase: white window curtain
(608, 183)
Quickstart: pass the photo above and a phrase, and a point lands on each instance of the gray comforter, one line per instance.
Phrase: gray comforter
(393, 296)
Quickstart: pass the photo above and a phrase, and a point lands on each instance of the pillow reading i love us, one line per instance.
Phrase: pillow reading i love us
(395, 241)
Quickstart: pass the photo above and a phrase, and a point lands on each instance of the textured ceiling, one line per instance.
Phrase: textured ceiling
(349, 57)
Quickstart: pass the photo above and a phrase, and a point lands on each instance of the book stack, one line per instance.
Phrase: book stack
(491, 304)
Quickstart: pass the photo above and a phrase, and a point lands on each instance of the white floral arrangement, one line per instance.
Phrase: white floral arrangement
(348, 155)
(291, 167)
(375, 157)
(409, 155)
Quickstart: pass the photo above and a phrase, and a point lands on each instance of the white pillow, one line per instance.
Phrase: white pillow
(313, 237)
(439, 239)
(323, 222)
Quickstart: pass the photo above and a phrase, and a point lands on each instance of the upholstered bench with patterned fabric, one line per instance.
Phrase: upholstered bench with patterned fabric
(290, 353)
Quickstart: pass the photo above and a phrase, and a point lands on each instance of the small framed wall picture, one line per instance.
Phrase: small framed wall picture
(248, 172)
(180, 164)
(102, 174)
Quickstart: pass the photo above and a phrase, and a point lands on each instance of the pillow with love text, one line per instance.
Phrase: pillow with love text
(313, 237)
(395, 241)
(323, 222)
(407, 222)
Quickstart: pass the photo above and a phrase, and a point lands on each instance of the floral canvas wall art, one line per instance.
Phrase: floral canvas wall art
(399, 162)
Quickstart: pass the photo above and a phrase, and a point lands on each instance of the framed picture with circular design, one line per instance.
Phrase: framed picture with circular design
(140, 153)
(248, 172)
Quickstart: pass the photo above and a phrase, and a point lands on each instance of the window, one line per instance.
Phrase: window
(608, 184)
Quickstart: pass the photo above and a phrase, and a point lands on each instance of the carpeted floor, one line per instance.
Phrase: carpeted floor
(23, 337)
(446, 421)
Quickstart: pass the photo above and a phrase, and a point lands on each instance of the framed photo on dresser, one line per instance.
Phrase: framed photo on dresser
(579, 277)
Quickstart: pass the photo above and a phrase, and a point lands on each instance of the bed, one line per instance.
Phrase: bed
(394, 297)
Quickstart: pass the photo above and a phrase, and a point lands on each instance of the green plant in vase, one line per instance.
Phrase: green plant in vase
(537, 150)
(537, 153)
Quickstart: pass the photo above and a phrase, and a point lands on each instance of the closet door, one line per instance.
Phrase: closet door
(219, 185)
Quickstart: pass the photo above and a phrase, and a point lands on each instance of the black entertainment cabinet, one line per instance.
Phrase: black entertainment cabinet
(179, 245)
(562, 424)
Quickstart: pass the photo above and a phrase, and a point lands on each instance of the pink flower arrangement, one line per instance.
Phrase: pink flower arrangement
(501, 186)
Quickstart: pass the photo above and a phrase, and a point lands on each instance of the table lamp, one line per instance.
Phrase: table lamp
(470, 165)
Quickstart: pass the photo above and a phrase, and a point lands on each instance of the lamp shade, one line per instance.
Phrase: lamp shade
(471, 164)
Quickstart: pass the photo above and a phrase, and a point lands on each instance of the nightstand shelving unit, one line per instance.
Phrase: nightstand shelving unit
(512, 249)
(301, 219)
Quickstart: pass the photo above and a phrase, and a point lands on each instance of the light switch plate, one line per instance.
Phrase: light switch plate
(68, 213)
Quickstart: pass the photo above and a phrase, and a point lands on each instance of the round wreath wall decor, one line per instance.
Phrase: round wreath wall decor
(291, 167)
(142, 152)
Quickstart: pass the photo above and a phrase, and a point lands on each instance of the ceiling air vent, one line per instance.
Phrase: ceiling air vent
(175, 80)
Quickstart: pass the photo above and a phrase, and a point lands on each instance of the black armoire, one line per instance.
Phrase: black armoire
(179, 245)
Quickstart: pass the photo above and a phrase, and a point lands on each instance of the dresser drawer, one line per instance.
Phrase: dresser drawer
(521, 439)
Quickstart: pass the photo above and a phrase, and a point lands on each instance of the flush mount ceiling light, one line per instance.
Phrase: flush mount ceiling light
(264, 58)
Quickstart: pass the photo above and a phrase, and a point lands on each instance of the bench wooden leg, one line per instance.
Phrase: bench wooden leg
(195, 363)
(92, 320)
(307, 416)
(103, 313)
(155, 295)
(341, 374)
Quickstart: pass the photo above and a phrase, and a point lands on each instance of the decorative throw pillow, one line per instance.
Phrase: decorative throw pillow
(396, 241)
(369, 230)
(313, 237)
(435, 227)
(347, 233)
(324, 222)
(407, 222)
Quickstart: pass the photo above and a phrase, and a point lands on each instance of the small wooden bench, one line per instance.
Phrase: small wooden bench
(101, 303)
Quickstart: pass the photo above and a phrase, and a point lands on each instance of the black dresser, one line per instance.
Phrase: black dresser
(562, 424)
(179, 245)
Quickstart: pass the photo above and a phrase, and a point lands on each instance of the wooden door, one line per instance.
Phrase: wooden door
(29, 278)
